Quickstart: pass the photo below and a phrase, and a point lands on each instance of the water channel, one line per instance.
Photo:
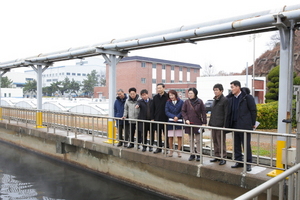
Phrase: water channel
(26, 175)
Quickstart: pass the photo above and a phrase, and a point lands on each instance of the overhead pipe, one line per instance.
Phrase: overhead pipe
(230, 26)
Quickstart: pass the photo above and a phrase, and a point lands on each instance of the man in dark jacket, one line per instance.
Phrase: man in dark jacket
(218, 119)
(145, 105)
(158, 108)
(118, 112)
(241, 115)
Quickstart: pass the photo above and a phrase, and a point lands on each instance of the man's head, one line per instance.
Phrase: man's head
(132, 92)
(218, 89)
(160, 87)
(144, 94)
(120, 94)
(235, 87)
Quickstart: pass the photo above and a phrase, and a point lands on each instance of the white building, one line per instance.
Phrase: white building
(77, 71)
(205, 86)
(11, 93)
(19, 78)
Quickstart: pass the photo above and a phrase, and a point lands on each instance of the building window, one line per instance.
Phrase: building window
(163, 66)
(4, 94)
(53, 80)
(73, 74)
(172, 67)
(143, 80)
(48, 80)
(9, 94)
(163, 80)
(78, 74)
(68, 73)
(143, 64)
(154, 65)
(83, 74)
(62, 73)
(153, 80)
(188, 69)
(180, 68)
(29, 79)
(195, 70)
(172, 81)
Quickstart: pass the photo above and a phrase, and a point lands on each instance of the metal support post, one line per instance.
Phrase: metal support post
(298, 127)
(285, 90)
(39, 115)
(112, 62)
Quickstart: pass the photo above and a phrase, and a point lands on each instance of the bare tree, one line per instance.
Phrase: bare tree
(208, 70)
(275, 40)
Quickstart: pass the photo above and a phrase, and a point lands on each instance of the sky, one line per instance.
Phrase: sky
(31, 27)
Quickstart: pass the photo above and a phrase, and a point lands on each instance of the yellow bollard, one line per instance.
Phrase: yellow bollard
(276, 172)
(111, 134)
(39, 120)
(1, 113)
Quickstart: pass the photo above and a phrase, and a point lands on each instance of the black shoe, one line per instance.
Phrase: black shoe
(119, 144)
(157, 151)
(144, 149)
(192, 157)
(249, 168)
(198, 158)
(222, 162)
(215, 160)
(125, 145)
(150, 149)
(130, 146)
(237, 165)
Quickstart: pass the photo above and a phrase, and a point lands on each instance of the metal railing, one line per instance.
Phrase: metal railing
(98, 126)
(289, 179)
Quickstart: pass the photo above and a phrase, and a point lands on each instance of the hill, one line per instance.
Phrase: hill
(270, 59)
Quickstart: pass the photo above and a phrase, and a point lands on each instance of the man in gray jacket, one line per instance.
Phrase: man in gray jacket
(218, 119)
(132, 112)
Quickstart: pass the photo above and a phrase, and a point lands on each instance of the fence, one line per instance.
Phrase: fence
(97, 126)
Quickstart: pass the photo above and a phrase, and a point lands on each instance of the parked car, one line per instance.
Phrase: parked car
(208, 105)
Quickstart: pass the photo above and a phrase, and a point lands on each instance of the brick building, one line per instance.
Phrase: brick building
(145, 73)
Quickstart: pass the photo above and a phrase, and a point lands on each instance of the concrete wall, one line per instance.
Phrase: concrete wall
(175, 177)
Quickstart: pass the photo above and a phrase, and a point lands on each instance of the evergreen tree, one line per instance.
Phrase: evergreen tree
(273, 84)
(90, 83)
(6, 82)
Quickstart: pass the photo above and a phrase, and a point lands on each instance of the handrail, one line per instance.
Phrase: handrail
(98, 125)
(267, 185)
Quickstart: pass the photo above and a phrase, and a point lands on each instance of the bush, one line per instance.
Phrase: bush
(267, 115)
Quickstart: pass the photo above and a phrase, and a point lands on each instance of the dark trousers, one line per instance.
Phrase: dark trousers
(143, 130)
(125, 128)
(216, 136)
(238, 143)
(131, 131)
(160, 128)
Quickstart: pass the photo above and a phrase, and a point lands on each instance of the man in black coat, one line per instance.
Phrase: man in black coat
(145, 104)
(218, 119)
(158, 108)
(241, 115)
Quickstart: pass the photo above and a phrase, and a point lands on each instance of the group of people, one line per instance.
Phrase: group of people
(237, 111)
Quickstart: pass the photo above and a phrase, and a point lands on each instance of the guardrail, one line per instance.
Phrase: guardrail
(289, 179)
(98, 126)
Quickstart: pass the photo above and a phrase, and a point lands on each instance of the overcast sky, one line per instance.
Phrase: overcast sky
(31, 27)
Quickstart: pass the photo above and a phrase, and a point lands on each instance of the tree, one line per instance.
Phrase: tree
(102, 81)
(74, 86)
(208, 70)
(90, 83)
(30, 87)
(273, 84)
(6, 82)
